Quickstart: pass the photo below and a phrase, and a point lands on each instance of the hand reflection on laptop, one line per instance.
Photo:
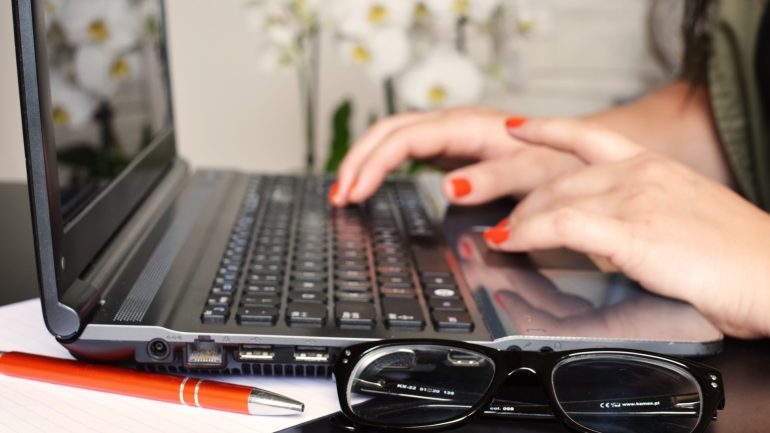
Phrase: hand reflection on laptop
(531, 300)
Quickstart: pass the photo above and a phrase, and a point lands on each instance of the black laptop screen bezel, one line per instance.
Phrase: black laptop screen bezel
(65, 250)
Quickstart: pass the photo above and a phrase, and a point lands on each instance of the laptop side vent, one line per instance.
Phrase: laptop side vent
(145, 288)
(256, 369)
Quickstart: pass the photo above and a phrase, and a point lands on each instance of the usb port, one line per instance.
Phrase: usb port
(311, 354)
(204, 354)
(255, 353)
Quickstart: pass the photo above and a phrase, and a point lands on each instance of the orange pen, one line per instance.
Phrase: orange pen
(188, 391)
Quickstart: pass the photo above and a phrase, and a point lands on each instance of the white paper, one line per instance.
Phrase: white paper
(28, 406)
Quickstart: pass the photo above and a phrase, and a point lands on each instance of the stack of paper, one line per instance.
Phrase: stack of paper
(29, 406)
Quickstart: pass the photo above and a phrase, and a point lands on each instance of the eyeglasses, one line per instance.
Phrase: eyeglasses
(434, 384)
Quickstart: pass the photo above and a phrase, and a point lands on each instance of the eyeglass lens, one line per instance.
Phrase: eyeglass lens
(618, 393)
(418, 385)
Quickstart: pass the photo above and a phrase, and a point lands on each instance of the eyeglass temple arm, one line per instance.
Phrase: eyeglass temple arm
(685, 404)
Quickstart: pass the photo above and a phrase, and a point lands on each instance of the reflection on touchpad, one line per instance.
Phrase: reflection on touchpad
(562, 299)
(561, 259)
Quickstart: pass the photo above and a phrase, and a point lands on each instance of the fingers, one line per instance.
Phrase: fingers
(569, 188)
(591, 143)
(515, 175)
(459, 133)
(578, 230)
(348, 170)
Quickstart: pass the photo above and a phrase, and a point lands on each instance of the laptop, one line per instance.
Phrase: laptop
(141, 261)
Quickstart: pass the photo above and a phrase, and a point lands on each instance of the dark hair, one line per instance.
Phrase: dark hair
(697, 14)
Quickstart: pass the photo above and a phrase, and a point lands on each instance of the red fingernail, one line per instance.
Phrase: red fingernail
(515, 122)
(502, 224)
(333, 191)
(497, 235)
(461, 187)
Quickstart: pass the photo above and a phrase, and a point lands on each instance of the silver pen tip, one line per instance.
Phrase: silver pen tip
(263, 402)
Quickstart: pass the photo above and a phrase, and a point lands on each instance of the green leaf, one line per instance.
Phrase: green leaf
(341, 136)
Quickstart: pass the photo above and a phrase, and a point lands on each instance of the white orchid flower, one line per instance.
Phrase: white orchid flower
(274, 20)
(476, 11)
(444, 78)
(359, 18)
(531, 19)
(383, 53)
(112, 23)
(70, 105)
(100, 71)
(276, 58)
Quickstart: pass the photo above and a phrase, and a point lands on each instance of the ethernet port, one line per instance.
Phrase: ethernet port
(204, 354)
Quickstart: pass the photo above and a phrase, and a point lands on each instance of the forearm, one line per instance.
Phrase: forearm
(675, 121)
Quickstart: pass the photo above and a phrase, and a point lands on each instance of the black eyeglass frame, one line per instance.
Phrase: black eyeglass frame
(542, 364)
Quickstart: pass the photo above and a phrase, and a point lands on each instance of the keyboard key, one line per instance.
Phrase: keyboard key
(219, 300)
(352, 286)
(266, 267)
(308, 286)
(264, 316)
(342, 296)
(306, 315)
(397, 292)
(261, 301)
(394, 271)
(215, 315)
(404, 282)
(438, 280)
(310, 256)
(392, 261)
(402, 314)
(267, 258)
(351, 275)
(263, 288)
(223, 289)
(446, 304)
(308, 276)
(308, 297)
(272, 278)
(310, 265)
(354, 315)
(352, 265)
(442, 293)
(452, 321)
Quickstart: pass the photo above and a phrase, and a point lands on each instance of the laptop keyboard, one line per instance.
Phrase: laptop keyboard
(294, 258)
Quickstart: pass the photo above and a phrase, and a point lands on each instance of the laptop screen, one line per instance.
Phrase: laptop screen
(109, 90)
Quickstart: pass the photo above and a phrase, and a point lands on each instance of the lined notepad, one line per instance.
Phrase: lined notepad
(29, 406)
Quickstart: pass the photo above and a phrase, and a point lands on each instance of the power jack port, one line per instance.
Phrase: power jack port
(158, 349)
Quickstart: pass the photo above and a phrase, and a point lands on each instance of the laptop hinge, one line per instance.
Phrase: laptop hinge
(65, 318)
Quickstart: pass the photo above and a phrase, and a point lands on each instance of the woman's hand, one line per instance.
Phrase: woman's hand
(675, 231)
(450, 138)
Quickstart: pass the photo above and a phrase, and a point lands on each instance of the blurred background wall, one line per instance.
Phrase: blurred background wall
(230, 114)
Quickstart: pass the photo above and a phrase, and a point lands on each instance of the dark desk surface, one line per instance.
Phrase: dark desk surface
(744, 364)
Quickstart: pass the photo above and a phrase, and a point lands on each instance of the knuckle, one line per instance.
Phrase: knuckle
(560, 184)
(566, 221)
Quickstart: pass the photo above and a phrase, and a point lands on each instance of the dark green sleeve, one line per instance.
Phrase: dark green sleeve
(741, 123)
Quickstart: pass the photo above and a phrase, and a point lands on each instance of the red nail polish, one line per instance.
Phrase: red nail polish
(461, 187)
(502, 224)
(333, 191)
(515, 122)
(497, 235)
